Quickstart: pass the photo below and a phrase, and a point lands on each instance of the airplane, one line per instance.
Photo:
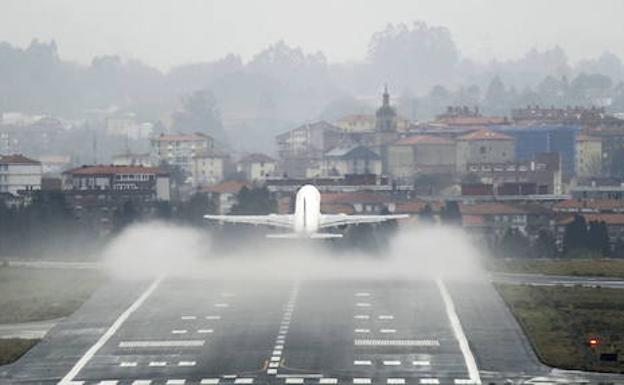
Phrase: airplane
(307, 219)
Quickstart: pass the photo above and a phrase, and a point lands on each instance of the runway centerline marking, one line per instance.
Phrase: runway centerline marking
(176, 382)
(429, 381)
(471, 364)
(392, 363)
(141, 382)
(69, 377)
(209, 381)
(362, 362)
(328, 381)
(421, 363)
(361, 381)
(395, 381)
(283, 331)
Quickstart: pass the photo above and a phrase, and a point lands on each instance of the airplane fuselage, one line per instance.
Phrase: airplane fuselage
(307, 214)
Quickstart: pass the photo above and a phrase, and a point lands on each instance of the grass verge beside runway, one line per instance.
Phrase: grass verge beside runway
(560, 321)
(31, 294)
(13, 348)
(575, 267)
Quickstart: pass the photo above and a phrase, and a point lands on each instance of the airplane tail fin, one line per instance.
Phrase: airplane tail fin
(299, 236)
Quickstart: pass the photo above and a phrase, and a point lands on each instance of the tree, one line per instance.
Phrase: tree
(125, 215)
(426, 214)
(450, 214)
(193, 210)
(254, 201)
(544, 245)
(200, 114)
(514, 244)
(575, 236)
(598, 238)
(417, 56)
(496, 97)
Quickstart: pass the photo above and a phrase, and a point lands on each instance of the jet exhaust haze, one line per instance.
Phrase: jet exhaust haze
(152, 249)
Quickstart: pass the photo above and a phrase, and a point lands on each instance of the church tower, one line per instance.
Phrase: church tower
(385, 118)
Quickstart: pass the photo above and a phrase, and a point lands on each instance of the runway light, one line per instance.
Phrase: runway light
(593, 342)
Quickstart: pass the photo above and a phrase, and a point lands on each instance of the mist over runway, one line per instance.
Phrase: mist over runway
(421, 314)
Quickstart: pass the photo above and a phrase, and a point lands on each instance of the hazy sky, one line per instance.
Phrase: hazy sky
(166, 32)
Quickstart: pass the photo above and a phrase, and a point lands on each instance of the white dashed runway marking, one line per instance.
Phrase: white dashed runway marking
(392, 363)
(281, 337)
(429, 381)
(186, 363)
(361, 331)
(178, 332)
(213, 317)
(362, 362)
(387, 331)
(386, 317)
(141, 382)
(188, 317)
(328, 381)
(157, 363)
(204, 331)
(421, 363)
(176, 382)
(396, 343)
(361, 381)
(363, 304)
(209, 381)
(294, 381)
(395, 381)
(128, 364)
(244, 381)
(362, 316)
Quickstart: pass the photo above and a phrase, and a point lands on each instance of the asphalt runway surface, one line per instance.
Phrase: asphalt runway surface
(175, 331)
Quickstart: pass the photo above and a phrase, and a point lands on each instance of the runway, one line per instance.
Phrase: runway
(178, 331)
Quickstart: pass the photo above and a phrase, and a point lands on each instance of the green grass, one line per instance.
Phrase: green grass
(13, 348)
(29, 294)
(577, 267)
(560, 320)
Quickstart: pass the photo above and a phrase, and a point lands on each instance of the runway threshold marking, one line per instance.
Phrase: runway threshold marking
(69, 377)
(162, 344)
(471, 364)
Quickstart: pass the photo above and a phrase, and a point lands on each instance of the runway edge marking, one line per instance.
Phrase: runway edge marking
(69, 377)
(471, 364)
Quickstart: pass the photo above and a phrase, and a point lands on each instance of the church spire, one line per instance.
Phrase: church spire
(386, 96)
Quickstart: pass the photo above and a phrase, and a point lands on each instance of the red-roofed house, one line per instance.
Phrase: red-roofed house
(420, 154)
(136, 182)
(483, 146)
(224, 194)
(19, 174)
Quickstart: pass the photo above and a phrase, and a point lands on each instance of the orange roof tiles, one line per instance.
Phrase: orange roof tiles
(490, 208)
(229, 186)
(589, 205)
(108, 170)
(471, 120)
(485, 135)
(609, 219)
(17, 159)
(423, 139)
(351, 197)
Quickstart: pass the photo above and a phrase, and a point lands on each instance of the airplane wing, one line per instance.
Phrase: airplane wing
(275, 220)
(332, 220)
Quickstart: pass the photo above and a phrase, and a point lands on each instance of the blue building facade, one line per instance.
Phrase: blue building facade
(533, 139)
